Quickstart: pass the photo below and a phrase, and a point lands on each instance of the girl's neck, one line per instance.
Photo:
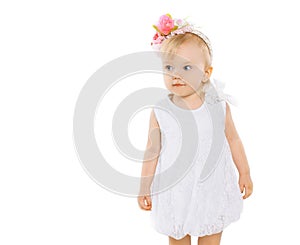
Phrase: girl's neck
(190, 102)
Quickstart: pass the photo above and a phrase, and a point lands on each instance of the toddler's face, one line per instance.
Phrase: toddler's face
(184, 71)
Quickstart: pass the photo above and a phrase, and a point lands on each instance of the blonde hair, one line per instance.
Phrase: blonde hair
(170, 46)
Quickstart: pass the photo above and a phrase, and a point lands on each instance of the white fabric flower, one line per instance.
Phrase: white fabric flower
(215, 92)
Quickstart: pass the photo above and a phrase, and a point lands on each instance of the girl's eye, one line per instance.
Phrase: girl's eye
(169, 67)
(187, 67)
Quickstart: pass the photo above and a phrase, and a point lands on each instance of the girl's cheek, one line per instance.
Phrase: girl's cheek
(194, 84)
(167, 76)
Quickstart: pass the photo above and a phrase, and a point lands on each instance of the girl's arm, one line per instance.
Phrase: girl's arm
(151, 155)
(238, 154)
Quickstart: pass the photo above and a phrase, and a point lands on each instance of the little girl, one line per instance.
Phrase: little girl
(208, 196)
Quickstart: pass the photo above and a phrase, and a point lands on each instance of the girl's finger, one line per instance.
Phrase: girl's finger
(242, 188)
(148, 200)
(247, 192)
(148, 204)
(140, 202)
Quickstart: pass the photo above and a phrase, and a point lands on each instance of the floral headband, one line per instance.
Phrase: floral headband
(168, 27)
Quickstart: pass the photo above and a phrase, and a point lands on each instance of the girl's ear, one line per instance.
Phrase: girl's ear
(207, 74)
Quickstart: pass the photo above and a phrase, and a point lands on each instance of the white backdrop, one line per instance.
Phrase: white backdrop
(48, 50)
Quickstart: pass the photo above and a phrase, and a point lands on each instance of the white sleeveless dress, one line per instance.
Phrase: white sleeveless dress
(207, 198)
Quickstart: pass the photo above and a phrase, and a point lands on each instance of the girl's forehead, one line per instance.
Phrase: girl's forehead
(186, 52)
(176, 59)
(182, 58)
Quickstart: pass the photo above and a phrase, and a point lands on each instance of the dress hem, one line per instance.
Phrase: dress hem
(199, 234)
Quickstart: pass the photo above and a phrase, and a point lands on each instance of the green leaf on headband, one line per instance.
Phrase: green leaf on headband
(174, 28)
(156, 28)
(169, 15)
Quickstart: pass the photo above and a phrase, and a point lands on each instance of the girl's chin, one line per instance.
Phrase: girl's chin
(179, 93)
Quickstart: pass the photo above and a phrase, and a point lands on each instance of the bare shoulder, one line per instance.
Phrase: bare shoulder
(228, 112)
(227, 107)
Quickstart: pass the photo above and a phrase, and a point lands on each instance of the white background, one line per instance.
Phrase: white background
(49, 49)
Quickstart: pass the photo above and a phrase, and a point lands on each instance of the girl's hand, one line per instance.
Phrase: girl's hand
(246, 184)
(145, 202)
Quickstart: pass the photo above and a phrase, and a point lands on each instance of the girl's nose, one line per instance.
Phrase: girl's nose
(176, 76)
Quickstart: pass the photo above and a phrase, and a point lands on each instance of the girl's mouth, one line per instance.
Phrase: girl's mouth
(178, 85)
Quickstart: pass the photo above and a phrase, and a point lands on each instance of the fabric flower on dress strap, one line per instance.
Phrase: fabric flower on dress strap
(214, 92)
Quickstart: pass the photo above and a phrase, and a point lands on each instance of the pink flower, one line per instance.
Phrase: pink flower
(165, 24)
